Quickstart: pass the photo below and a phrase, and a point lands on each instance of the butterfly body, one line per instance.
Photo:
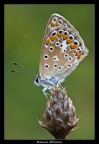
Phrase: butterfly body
(62, 50)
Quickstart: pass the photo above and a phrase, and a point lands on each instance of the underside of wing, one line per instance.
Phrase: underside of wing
(62, 48)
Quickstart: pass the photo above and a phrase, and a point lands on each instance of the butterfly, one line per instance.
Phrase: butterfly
(61, 52)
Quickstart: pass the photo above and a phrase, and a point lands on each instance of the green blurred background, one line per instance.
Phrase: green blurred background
(24, 27)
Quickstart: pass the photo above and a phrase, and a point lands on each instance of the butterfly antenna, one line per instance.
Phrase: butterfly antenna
(21, 71)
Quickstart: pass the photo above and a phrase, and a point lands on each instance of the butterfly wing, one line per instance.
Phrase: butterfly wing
(62, 49)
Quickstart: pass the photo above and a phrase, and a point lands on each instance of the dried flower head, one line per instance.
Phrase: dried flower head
(60, 114)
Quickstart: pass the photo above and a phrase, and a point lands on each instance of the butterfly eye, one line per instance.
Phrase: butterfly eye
(45, 56)
(46, 66)
(51, 48)
(36, 80)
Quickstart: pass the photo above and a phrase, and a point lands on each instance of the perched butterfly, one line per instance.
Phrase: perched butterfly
(61, 52)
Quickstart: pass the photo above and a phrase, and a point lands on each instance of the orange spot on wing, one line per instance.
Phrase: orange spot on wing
(58, 24)
(60, 35)
(65, 37)
(53, 24)
(52, 38)
(47, 41)
(78, 53)
(73, 46)
(69, 41)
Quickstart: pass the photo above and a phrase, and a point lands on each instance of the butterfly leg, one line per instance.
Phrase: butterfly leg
(50, 90)
(59, 85)
(62, 87)
(45, 93)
